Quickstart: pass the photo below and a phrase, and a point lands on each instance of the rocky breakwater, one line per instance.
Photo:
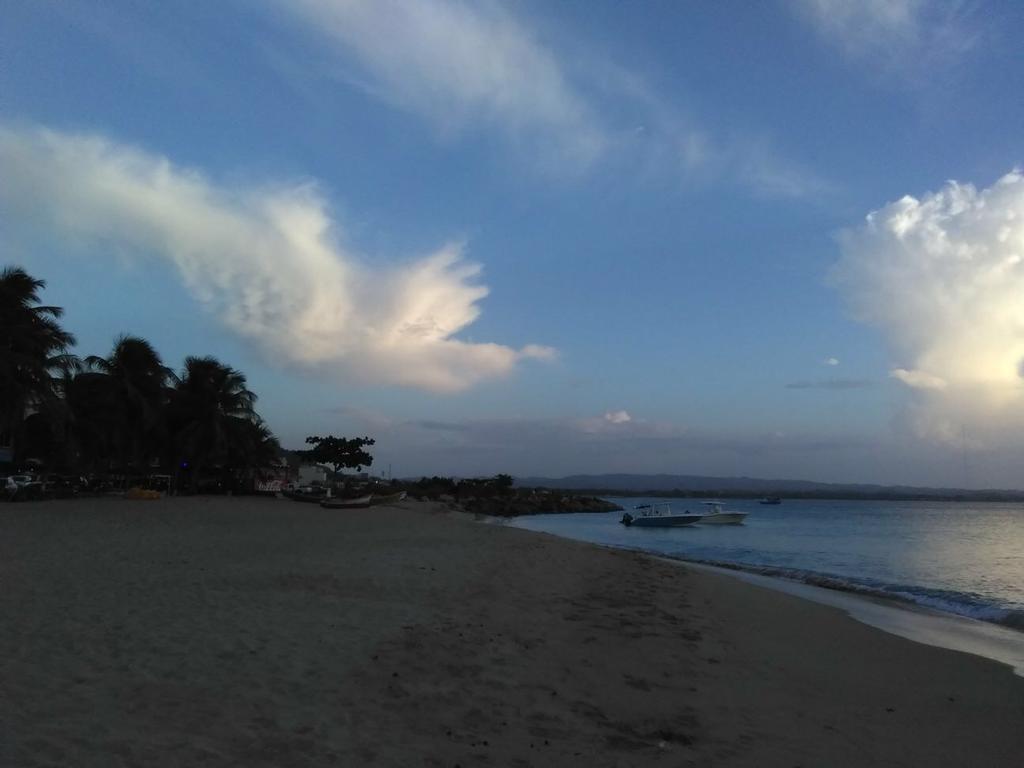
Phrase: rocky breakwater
(532, 502)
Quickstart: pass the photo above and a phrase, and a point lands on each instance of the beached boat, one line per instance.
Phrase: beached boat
(393, 498)
(310, 496)
(657, 516)
(718, 516)
(770, 500)
(370, 500)
(356, 503)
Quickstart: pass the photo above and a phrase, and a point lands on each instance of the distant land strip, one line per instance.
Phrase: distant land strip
(696, 486)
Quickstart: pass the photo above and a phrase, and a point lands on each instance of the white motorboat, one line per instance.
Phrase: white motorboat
(657, 516)
(716, 515)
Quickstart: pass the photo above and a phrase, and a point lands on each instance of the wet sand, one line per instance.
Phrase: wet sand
(261, 632)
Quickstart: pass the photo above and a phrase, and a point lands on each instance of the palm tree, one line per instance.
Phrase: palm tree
(137, 382)
(33, 347)
(255, 448)
(210, 410)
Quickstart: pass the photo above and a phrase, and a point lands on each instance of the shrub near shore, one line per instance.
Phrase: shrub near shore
(496, 497)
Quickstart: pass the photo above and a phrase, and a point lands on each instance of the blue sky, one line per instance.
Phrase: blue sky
(548, 238)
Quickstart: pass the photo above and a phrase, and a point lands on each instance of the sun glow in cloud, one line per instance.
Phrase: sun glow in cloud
(266, 260)
(943, 278)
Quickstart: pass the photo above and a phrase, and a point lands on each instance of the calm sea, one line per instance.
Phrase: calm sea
(962, 558)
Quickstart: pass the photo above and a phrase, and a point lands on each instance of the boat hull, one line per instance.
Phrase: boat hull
(725, 518)
(394, 498)
(666, 521)
(360, 503)
(308, 498)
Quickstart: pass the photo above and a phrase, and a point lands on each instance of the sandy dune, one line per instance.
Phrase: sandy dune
(258, 632)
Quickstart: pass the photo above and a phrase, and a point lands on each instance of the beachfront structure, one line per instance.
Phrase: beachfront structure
(312, 473)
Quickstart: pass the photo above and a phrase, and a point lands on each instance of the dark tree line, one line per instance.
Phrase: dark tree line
(126, 413)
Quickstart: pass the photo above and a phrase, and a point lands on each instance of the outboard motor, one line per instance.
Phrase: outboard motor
(627, 519)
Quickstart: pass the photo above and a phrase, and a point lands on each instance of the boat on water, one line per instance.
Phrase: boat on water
(773, 500)
(716, 515)
(658, 516)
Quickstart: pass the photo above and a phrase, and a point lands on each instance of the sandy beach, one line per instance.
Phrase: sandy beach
(262, 632)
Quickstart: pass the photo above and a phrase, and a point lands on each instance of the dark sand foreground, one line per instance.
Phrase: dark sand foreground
(242, 632)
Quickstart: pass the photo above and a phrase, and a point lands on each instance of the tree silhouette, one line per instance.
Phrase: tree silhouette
(33, 348)
(339, 452)
(136, 381)
(122, 411)
(209, 408)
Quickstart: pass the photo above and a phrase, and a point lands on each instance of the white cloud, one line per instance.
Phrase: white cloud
(617, 417)
(831, 361)
(943, 278)
(465, 66)
(907, 38)
(456, 64)
(918, 379)
(267, 260)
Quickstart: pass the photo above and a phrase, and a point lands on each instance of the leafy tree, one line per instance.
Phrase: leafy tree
(33, 348)
(339, 452)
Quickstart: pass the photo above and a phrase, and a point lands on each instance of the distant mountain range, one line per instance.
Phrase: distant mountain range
(702, 485)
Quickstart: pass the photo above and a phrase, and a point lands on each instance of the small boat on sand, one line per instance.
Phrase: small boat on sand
(370, 500)
(718, 516)
(657, 516)
(392, 498)
(357, 503)
(308, 495)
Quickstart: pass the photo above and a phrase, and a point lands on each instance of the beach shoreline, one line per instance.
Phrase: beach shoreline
(260, 632)
(905, 619)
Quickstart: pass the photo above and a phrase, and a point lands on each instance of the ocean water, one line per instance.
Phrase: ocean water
(963, 558)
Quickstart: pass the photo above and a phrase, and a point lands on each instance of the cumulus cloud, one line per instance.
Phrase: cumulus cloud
(918, 379)
(943, 278)
(456, 64)
(831, 361)
(267, 260)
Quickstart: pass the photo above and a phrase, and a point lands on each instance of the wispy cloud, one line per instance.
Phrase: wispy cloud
(483, 67)
(906, 38)
(268, 260)
(832, 384)
(459, 65)
(943, 278)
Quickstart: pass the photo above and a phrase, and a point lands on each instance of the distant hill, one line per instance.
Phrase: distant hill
(702, 485)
